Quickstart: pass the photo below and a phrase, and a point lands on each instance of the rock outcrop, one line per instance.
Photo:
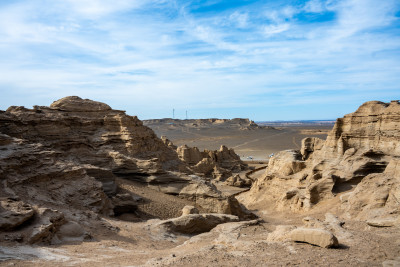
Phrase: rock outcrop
(92, 133)
(14, 213)
(220, 164)
(192, 223)
(67, 157)
(358, 161)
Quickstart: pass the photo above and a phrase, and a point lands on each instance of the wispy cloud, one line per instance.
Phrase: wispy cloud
(149, 56)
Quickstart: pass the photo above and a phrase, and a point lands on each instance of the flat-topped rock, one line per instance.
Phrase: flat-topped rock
(76, 104)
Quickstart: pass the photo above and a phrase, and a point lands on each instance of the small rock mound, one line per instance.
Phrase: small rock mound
(75, 103)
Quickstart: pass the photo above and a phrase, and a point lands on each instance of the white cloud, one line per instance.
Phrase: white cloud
(314, 6)
(240, 19)
(359, 15)
(96, 8)
(270, 30)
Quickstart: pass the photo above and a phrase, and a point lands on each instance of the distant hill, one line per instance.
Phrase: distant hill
(240, 123)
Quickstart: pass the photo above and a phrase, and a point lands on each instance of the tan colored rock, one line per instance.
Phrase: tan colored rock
(218, 163)
(195, 223)
(189, 210)
(286, 163)
(357, 160)
(281, 233)
(238, 181)
(90, 132)
(309, 145)
(318, 237)
(75, 103)
(375, 198)
(190, 155)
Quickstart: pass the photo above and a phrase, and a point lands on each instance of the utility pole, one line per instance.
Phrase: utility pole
(173, 113)
(186, 114)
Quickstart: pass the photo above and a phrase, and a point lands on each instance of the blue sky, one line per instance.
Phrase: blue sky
(265, 60)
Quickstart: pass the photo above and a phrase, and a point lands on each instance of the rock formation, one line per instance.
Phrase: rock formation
(220, 164)
(64, 159)
(358, 161)
(192, 223)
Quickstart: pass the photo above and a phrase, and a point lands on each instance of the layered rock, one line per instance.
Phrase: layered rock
(219, 164)
(360, 155)
(91, 133)
(67, 156)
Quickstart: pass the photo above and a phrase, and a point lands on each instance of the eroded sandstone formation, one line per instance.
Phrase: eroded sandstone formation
(359, 162)
(59, 165)
(220, 164)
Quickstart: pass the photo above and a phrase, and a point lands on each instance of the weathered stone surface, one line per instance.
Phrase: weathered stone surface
(68, 156)
(75, 103)
(318, 237)
(195, 223)
(48, 224)
(92, 133)
(238, 181)
(309, 145)
(218, 163)
(41, 176)
(286, 162)
(14, 213)
(331, 223)
(358, 160)
(281, 233)
(189, 210)
(376, 197)
(70, 231)
(124, 203)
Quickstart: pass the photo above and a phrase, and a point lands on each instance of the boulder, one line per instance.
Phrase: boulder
(317, 237)
(195, 223)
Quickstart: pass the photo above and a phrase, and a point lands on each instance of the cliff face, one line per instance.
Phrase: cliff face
(359, 157)
(375, 125)
(92, 133)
